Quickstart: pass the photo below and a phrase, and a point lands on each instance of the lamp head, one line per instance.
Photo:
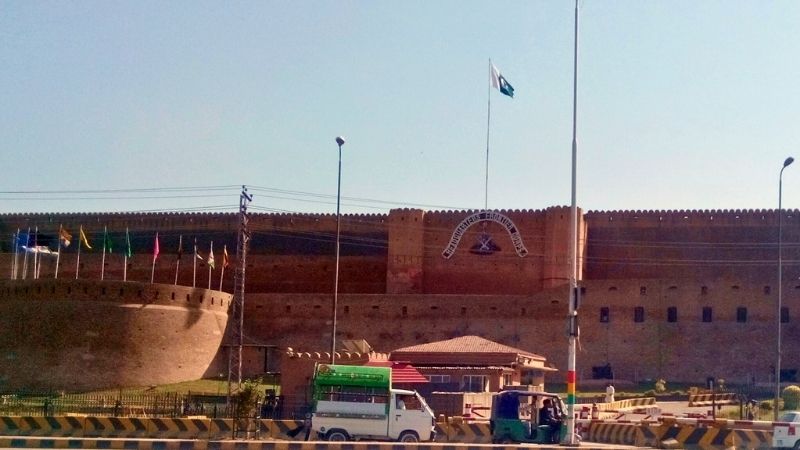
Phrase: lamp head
(788, 161)
(340, 140)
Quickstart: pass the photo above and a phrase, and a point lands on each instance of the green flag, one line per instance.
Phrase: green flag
(128, 251)
(106, 241)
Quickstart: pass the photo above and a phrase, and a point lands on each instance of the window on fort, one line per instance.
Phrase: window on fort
(612, 289)
(784, 314)
(438, 379)
(643, 290)
(767, 290)
(405, 311)
(741, 314)
(463, 310)
(475, 383)
(706, 314)
(703, 290)
(288, 309)
(672, 314)
(507, 379)
(523, 312)
(347, 309)
(604, 315)
(638, 314)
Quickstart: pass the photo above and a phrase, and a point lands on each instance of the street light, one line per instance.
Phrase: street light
(786, 163)
(340, 141)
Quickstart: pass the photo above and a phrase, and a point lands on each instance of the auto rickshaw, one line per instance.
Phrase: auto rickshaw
(515, 417)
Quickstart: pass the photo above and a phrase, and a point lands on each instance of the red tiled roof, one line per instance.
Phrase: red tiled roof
(466, 344)
(401, 372)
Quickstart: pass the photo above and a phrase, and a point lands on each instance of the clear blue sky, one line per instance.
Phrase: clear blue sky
(681, 104)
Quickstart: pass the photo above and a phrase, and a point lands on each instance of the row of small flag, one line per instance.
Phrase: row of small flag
(65, 238)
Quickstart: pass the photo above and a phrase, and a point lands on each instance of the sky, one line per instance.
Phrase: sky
(161, 106)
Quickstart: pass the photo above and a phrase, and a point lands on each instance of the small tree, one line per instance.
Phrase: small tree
(791, 397)
(247, 398)
(661, 386)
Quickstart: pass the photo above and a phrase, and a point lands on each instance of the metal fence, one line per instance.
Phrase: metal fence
(121, 404)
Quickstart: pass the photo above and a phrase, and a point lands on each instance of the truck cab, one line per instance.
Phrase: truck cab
(358, 403)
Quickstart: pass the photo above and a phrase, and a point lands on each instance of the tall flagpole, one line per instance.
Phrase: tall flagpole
(180, 253)
(194, 265)
(25, 255)
(103, 261)
(224, 263)
(155, 256)
(78, 259)
(573, 250)
(127, 252)
(58, 255)
(36, 253)
(210, 261)
(488, 121)
(14, 264)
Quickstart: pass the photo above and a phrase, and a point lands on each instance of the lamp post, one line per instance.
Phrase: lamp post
(340, 142)
(786, 163)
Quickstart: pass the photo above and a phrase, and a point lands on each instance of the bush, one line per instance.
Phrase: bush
(247, 398)
(791, 397)
(650, 393)
(661, 386)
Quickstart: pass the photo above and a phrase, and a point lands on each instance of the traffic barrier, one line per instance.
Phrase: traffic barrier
(115, 427)
(287, 430)
(132, 444)
(472, 433)
(41, 426)
(166, 428)
(713, 399)
(613, 433)
(750, 439)
(695, 436)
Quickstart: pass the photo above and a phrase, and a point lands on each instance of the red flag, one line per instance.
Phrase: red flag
(155, 249)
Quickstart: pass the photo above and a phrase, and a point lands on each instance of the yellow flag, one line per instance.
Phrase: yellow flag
(84, 240)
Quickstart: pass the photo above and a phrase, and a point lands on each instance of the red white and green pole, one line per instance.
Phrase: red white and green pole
(573, 249)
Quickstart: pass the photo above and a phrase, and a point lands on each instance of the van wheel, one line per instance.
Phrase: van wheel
(408, 436)
(337, 436)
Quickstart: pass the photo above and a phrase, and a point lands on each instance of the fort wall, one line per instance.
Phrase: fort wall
(82, 334)
(717, 269)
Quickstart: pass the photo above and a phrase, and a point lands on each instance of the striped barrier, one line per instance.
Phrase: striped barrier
(286, 430)
(696, 437)
(135, 444)
(166, 428)
(471, 433)
(41, 426)
(750, 439)
(613, 433)
(116, 427)
(713, 399)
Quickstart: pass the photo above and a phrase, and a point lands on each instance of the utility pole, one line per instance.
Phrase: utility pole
(237, 312)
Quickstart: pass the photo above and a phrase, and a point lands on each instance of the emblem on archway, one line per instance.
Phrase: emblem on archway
(485, 245)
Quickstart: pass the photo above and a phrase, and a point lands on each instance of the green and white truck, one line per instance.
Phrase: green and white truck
(359, 403)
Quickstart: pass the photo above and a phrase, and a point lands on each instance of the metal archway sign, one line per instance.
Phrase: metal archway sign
(486, 216)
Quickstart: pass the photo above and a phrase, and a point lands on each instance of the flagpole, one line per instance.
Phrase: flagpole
(58, 255)
(178, 263)
(127, 252)
(14, 263)
(224, 261)
(103, 261)
(25, 256)
(210, 260)
(194, 265)
(573, 250)
(35, 252)
(80, 244)
(488, 121)
(155, 255)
